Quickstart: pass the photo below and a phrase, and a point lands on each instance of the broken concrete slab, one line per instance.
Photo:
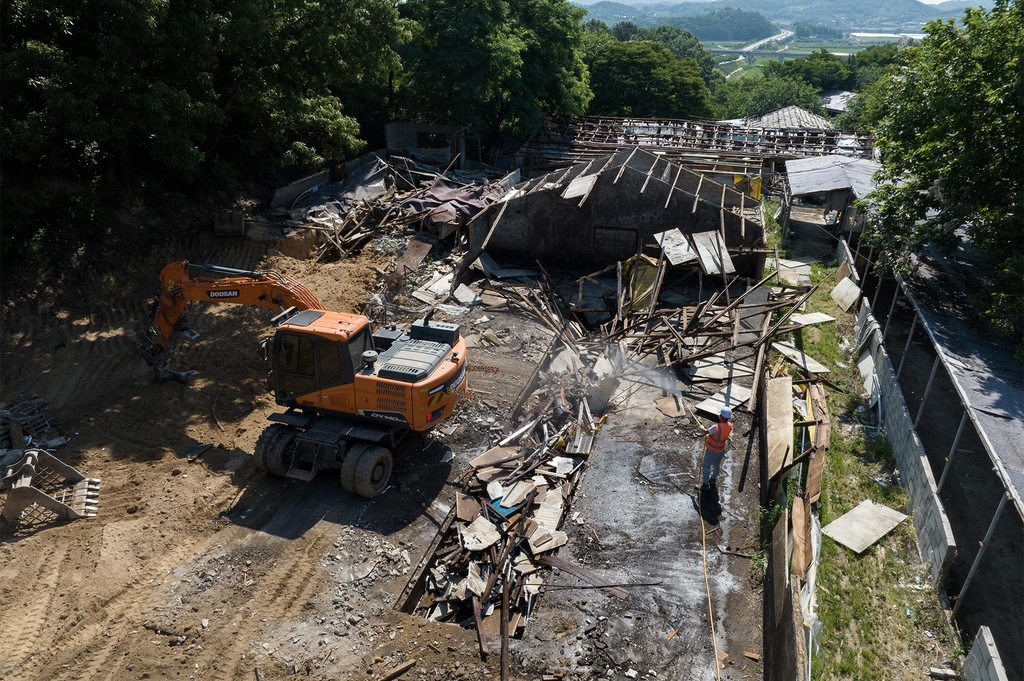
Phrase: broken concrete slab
(466, 296)
(810, 318)
(676, 247)
(712, 253)
(846, 293)
(864, 525)
(731, 396)
(718, 368)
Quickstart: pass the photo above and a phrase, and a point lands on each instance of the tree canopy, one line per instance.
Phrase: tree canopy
(156, 87)
(950, 134)
(497, 65)
(821, 69)
(756, 96)
(643, 78)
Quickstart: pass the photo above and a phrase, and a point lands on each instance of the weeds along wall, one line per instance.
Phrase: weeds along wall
(934, 534)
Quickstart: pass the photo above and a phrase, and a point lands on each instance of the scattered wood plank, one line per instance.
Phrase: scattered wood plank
(586, 575)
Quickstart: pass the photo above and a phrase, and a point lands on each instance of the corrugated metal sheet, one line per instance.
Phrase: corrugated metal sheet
(791, 117)
(830, 173)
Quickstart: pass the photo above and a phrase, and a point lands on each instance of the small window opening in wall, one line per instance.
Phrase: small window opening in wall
(433, 140)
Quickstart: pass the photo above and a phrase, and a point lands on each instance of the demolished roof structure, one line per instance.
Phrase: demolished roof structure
(608, 209)
(705, 146)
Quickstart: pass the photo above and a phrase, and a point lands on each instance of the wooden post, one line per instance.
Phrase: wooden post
(504, 625)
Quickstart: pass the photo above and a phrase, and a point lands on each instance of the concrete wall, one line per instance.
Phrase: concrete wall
(934, 534)
(618, 217)
(285, 196)
(983, 663)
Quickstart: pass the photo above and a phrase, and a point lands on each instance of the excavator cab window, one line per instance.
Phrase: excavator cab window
(357, 345)
(295, 365)
(332, 370)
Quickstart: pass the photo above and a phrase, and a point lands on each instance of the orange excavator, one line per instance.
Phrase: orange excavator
(350, 392)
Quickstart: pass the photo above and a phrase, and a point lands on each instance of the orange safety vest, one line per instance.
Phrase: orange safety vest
(715, 439)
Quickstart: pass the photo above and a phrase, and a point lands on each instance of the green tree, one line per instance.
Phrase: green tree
(154, 87)
(869, 65)
(148, 93)
(642, 78)
(756, 96)
(497, 65)
(822, 69)
(683, 45)
(726, 24)
(950, 135)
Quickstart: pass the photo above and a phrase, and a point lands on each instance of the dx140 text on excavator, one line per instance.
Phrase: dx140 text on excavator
(350, 392)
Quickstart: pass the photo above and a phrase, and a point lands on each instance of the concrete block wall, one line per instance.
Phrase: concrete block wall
(983, 663)
(934, 534)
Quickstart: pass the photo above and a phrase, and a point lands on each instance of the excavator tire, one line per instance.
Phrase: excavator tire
(373, 471)
(348, 466)
(273, 451)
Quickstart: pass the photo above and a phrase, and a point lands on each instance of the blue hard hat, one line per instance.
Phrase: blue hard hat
(725, 413)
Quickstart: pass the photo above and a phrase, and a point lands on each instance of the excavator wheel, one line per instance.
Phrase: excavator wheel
(348, 466)
(274, 448)
(372, 470)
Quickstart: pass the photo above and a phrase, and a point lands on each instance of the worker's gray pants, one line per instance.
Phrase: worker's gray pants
(712, 466)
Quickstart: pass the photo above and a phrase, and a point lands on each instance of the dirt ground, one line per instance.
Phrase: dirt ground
(214, 570)
(209, 570)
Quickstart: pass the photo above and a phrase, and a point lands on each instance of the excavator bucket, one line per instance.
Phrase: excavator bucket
(42, 488)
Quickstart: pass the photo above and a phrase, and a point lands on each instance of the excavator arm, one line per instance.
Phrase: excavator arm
(179, 289)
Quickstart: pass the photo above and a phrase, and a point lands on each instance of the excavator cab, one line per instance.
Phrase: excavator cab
(315, 353)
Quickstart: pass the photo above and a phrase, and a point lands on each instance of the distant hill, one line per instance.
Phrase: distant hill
(862, 14)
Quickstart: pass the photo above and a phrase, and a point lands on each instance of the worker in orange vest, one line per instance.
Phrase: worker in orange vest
(715, 443)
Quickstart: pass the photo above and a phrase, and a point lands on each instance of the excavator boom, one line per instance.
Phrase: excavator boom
(178, 289)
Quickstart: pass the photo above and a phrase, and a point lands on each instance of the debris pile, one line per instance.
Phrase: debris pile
(382, 197)
(485, 567)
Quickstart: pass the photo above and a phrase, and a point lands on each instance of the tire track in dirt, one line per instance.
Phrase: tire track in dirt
(293, 579)
(88, 642)
(28, 633)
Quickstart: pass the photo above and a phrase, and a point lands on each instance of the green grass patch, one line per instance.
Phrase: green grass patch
(876, 607)
(772, 227)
